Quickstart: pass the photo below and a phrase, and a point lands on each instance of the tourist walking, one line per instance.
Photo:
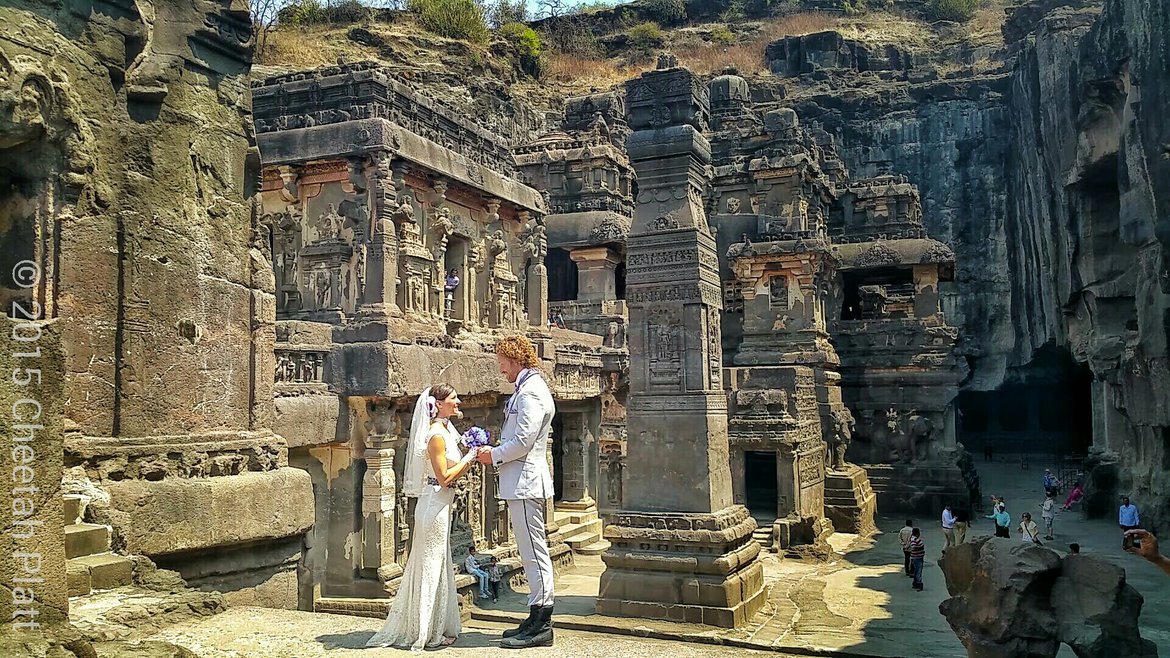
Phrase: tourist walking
(1003, 521)
(526, 483)
(471, 564)
(1048, 513)
(1028, 530)
(1127, 516)
(904, 535)
(948, 526)
(1074, 496)
(917, 557)
(962, 523)
(425, 613)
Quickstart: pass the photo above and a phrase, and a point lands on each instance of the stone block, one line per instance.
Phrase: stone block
(175, 515)
(307, 420)
(77, 577)
(106, 571)
(83, 539)
(72, 504)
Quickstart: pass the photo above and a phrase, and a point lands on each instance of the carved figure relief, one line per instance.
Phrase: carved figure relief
(843, 425)
(663, 344)
(329, 224)
(733, 206)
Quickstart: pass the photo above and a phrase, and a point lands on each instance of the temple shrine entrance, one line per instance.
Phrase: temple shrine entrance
(562, 276)
(760, 484)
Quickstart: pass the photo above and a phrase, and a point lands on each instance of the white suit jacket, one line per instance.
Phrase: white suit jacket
(524, 440)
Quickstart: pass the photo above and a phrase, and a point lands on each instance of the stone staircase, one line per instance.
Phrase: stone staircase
(850, 501)
(581, 531)
(763, 536)
(89, 562)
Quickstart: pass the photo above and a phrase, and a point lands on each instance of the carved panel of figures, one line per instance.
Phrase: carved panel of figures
(664, 346)
(294, 366)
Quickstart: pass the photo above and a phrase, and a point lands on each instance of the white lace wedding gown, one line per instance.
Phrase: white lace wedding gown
(426, 608)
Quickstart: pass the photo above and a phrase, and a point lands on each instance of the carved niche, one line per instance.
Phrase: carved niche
(664, 347)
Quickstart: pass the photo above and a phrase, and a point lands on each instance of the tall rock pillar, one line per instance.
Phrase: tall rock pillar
(680, 549)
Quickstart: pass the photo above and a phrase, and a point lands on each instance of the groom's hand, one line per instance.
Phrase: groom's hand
(484, 456)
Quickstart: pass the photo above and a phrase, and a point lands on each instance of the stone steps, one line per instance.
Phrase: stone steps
(596, 548)
(578, 535)
(763, 536)
(89, 563)
(570, 517)
(83, 539)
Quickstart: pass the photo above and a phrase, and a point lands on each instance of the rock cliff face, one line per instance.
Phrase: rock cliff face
(1046, 166)
(1087, 225)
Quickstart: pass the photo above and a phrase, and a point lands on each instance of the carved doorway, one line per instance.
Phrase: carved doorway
(456, 302)
(760, 485)
(562, 276)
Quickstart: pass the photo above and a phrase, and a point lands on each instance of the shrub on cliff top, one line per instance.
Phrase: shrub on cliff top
(456, 19)
(954, 10)
(523, 36)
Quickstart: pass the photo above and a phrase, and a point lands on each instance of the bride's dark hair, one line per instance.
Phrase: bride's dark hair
(442, 391)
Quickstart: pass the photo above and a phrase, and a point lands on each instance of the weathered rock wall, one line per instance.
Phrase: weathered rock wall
(128, 169)
(1087, 222)
(947, 138)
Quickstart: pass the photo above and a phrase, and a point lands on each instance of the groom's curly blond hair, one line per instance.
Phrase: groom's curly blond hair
(520, 349)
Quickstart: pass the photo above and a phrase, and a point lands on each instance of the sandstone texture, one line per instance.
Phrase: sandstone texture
(1015, 599)
(32, 545)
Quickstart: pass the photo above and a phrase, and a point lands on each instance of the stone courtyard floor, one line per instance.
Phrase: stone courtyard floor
(857, 605)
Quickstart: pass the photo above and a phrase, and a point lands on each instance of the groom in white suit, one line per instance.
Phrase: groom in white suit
(525, 482)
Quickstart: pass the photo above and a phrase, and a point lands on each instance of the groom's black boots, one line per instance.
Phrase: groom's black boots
(540, 634)
(522, 629)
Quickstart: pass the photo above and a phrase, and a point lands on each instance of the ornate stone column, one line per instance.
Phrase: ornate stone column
(680, 548)
(596, 267)
(380, 298)
(536, 284)
(379, 492)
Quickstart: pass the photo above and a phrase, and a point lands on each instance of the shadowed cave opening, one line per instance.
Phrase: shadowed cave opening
(1043, 409)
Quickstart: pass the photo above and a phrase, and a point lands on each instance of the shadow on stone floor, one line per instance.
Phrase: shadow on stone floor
(358, 639)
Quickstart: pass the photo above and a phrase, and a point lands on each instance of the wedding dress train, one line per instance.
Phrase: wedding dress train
(426, 608)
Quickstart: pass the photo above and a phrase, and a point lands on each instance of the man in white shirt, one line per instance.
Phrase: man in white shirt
(948, 526)
(525, 483)
(904, 535)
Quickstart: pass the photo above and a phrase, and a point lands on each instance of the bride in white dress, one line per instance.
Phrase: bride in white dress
(425, 613)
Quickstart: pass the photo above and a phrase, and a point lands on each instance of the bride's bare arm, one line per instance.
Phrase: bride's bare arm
(446, 471)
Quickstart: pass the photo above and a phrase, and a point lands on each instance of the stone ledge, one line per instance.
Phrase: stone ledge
(176, 515)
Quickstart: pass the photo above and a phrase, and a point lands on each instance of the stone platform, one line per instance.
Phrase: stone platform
(850, 502)
(696, 568)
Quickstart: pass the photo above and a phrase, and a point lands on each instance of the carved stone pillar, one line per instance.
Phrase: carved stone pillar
(380, 298)
(536, 284)
(596, 266)
(379, 492)
(681, 549)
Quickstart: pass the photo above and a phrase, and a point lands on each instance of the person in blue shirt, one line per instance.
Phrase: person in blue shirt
(1127, 516)
(1049, 482)
(1003, 521)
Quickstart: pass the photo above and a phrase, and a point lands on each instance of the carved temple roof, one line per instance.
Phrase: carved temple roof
(887, 253)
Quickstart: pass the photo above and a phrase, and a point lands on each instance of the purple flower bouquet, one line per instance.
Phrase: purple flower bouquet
(476, 437)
